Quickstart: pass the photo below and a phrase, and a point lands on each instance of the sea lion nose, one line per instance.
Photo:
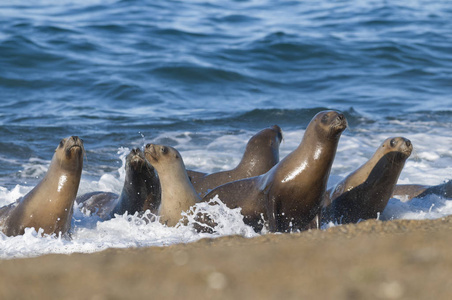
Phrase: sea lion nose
(135, 150)
(341, 117)
(75, 138)
(279, 131)
(407, 142)
(148, 146)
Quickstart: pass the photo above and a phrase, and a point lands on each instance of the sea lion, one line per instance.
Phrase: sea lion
(409, 191)
(49, 205)
(261, 154)
(366, 192)
(141, 191)
(98, 203)
(177, 192)
(290, 194)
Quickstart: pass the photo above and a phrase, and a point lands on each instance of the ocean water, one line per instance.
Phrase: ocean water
(204, 76)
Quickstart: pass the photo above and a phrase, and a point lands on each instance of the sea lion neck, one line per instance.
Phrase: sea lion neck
(63, 178)
(62, 168)
(315, 153)
(139, 177)
(258, 164)
(175, 172)
(264, 144)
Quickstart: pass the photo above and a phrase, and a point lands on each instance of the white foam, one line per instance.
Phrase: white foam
(124, 231)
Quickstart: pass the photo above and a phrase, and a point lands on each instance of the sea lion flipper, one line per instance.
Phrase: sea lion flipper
(411, 191)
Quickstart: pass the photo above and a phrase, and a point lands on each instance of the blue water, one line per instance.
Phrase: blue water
(204, 76)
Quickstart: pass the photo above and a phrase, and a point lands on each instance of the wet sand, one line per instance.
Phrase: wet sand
(372, 260)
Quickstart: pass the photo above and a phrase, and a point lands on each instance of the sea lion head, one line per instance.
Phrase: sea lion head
(399, 148)
(271, 136)
(69, 153)
(330, 123)
(158, 154)
(135, 160)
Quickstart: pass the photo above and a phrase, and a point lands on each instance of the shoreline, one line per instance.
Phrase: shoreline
(400, 259)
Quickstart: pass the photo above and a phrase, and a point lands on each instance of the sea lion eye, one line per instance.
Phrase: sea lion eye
(324, 118)
(393, 143)
(164, 150)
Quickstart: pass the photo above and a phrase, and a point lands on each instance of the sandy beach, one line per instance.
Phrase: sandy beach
(400, 259)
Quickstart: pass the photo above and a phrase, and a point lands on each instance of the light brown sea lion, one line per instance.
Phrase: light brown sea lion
(366, 192)
(49, 205)
(177, 192)
(409, 191)
(289, 196)
(261, 154)
(141, 191)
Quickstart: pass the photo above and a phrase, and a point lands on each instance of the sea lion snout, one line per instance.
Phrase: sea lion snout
(149, 148)
(135, 151)
(136, 154)
(340, 122)
(150, 153)
(136, 157)
(75, 141)
(408, 147)
(278, 131)
(73, 144)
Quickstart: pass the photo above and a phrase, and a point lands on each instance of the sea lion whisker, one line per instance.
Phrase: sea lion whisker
(416, 155)
(85, 155)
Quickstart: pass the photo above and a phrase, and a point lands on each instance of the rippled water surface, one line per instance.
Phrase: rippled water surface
(204, 76)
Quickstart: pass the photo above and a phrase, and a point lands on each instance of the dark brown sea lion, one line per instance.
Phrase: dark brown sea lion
(365, 192)
(98, 203)
(177, 192)
(141, 191)
(409, 191)
(261, 154)
(49, 205)
(289, 196)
